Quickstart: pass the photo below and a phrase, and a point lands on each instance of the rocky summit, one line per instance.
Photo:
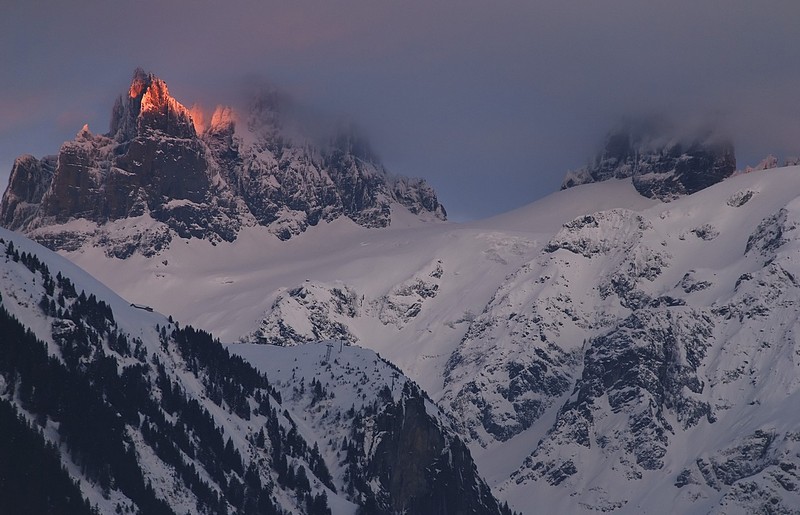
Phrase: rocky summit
(661, 163)
(159, 174)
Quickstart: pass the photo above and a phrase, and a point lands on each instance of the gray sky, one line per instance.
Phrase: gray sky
(490, 101)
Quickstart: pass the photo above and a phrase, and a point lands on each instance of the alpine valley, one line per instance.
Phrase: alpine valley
(628, 344)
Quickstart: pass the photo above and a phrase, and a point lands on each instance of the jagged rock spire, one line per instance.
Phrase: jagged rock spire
(148, 106)
(153, 163)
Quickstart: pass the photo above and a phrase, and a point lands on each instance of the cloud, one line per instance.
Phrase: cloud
(491, 101)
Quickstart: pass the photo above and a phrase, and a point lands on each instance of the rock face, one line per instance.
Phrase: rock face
(154, 166)
(26, 187)
(424, 469)
(661, 166)
(290, 183)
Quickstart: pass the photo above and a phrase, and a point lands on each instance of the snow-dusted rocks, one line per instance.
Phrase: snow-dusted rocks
(26, 187)
(758, 471)
(156, 177)
(290, 180)
(522, 353)
(316, 311)
(633, 351)
(589, 348)
(309, 313)
(150, 179)
(644, 367)
(404, 302)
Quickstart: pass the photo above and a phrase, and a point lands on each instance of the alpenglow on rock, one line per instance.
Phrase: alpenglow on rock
(159, 173)
(661, 165)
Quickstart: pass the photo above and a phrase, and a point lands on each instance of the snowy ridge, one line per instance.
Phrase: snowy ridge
(130, 338)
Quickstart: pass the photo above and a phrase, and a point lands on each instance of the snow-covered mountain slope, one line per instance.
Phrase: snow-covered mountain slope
(161, 173)
(650, 357)
(408, 291)
(593, 331)
(148, 417)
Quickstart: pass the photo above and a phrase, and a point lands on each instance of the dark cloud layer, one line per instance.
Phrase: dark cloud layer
(490, 101)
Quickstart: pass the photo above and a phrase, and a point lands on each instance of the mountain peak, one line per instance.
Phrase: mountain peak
(161, 161)
(663, 161)
(139, 83)
(148, 107)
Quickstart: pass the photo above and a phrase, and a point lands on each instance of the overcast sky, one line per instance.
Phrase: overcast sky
(490, 101)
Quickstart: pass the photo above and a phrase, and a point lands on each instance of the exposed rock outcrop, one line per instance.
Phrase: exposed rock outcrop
(243, 169)
(661, 165)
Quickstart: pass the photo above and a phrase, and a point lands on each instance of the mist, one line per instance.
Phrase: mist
(490, 102)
